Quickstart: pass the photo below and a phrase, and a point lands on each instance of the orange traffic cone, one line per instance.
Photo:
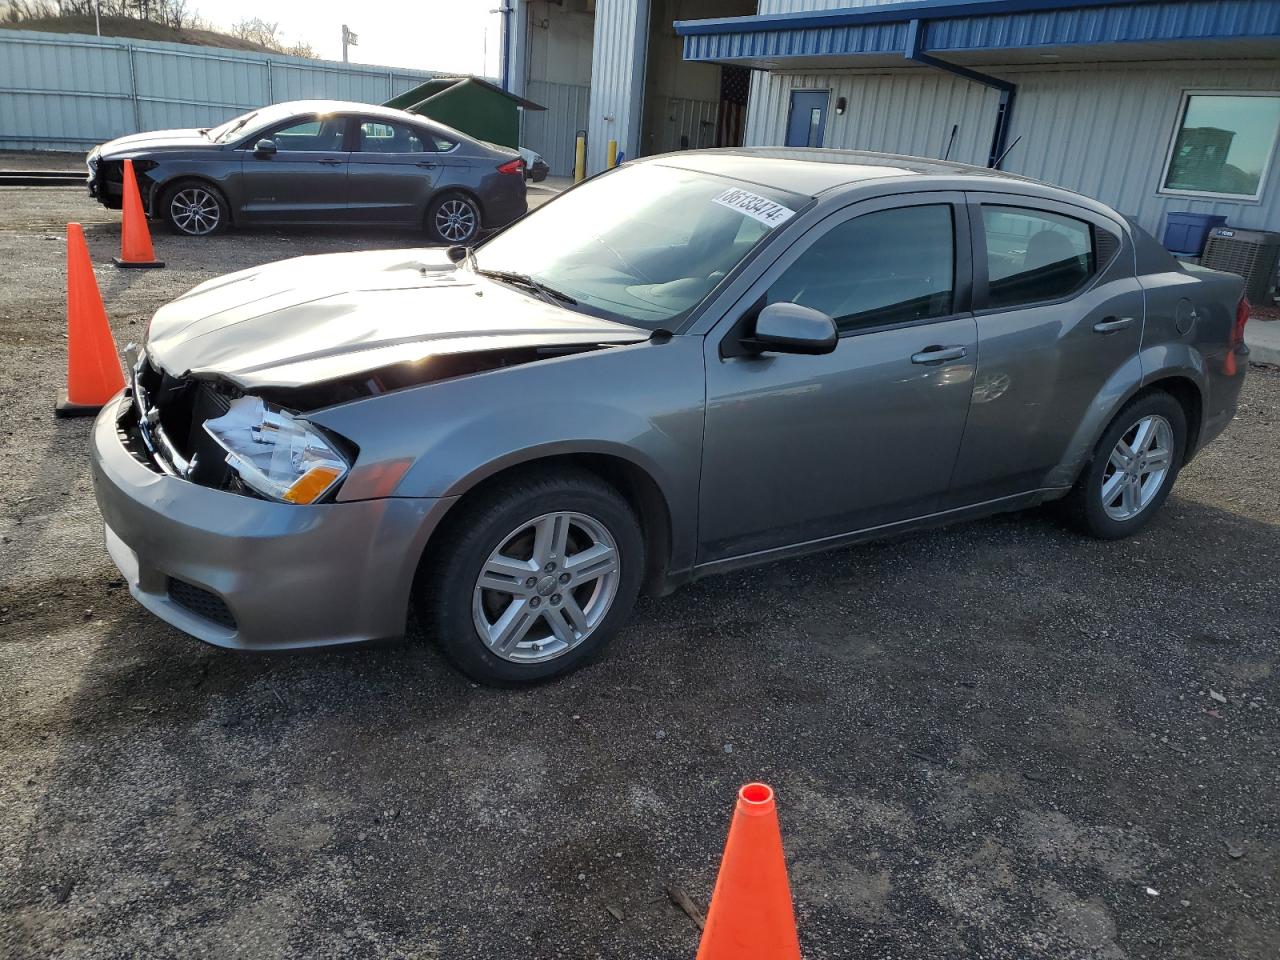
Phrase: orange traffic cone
(751, 914)
(93, 368)
(135, 238)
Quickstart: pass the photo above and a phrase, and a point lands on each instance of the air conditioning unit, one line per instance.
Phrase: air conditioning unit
(1253, 254)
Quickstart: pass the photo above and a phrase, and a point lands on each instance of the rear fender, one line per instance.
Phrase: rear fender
(1153, 363)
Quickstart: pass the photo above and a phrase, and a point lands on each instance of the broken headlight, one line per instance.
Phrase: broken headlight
(275, 453)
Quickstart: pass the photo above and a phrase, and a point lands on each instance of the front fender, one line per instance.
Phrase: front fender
(642, 403)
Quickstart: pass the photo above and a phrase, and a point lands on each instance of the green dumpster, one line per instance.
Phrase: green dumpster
(474, 106)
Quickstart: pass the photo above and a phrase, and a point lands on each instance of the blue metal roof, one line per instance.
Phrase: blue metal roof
(963, 25)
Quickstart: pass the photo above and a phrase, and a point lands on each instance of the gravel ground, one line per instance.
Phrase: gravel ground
(998, 740)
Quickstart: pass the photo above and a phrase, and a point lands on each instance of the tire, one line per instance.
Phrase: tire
(454, 218)
(188, 206)
(1099, 504)
(497, 535)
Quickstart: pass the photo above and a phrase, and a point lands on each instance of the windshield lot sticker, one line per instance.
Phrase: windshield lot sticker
(758, 208)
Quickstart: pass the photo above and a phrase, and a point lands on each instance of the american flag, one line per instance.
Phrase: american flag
(735, 84)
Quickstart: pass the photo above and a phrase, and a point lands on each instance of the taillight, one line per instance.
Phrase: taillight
(1242, 317)
(513, 166)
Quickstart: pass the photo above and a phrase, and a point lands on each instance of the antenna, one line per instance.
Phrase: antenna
(1000, 159)
(955, 127)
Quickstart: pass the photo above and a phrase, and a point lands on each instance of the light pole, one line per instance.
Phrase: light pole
(349, 39)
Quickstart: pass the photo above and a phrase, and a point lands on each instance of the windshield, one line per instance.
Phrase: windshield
(237, 127)
(644, 244)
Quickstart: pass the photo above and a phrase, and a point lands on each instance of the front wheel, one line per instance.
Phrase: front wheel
(1133, 468)
(533, 579)
(195, 209)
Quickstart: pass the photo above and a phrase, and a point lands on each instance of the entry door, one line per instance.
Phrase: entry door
(808, 118)
(305, 179)
(1059, 313)
(801, 448)
(394, 170)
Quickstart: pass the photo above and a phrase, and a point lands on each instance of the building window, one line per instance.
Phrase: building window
(1223, 145)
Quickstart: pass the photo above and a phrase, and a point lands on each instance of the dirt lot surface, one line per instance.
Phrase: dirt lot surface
(998, 740)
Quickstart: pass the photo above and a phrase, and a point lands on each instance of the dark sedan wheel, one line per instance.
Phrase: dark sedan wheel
(533, 578)
(453, 218)
(1133, 468)
(195, 209)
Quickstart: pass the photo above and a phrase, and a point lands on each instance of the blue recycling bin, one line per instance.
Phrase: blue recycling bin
(1185, 233)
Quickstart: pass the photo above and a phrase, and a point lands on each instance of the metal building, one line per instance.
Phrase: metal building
(1153, 106)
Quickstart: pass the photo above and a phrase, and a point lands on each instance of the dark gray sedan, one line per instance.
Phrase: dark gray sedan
(689, 364)
(317, 162)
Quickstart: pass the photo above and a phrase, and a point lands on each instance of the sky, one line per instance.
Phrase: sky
(456, 36)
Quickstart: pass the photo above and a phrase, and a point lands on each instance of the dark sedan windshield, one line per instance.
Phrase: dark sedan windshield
(644, 244)
(237, 127)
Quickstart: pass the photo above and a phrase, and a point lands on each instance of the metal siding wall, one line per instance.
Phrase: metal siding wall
(1099, 129)
(69, 91)
(801, 6)
(617, 77)
(695, 119)
(907, 111)
(553, 132)
(1104, 131)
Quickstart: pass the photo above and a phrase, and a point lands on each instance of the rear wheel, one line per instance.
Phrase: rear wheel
(453, 218)
(534, 578)
(1133, 468)
(195, 209)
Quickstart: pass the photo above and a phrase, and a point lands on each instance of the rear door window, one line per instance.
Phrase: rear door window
(891, 266)
(1034, 256)
(379, 136)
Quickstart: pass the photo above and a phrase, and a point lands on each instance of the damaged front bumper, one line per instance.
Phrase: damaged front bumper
(241, 572)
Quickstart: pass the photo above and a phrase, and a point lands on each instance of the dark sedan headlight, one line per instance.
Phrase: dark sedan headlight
(275, 453)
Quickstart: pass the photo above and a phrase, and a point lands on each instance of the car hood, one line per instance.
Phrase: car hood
(315, 319)
(155, 140)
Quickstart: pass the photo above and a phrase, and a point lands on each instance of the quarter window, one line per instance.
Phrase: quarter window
(893, 266)
(1033, 255)
(1223, 144)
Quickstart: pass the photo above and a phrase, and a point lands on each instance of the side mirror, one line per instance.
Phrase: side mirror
(264, 148)
(792, 328)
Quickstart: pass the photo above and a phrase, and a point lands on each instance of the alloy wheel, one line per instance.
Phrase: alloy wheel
(546, 587)
(1137, 467)
(195, 211)
(456, 220)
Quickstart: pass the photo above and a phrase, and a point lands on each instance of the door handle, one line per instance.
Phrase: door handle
(330, 162)
(429, 164)
(1112, 324)
(935, 355)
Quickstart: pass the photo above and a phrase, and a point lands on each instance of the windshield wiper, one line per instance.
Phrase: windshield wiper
(549, 294)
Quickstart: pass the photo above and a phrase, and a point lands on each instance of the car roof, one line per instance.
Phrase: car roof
(346, 106)
(373, 110)
(814, 170)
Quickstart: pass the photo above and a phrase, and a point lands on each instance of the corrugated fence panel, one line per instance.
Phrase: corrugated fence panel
(553, 132)
(61, 93)
(70, 91)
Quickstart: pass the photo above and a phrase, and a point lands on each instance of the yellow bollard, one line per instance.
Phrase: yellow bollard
(613, 155)
(580, 161)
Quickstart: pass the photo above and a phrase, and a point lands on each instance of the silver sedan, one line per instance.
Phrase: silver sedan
(689, 364)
